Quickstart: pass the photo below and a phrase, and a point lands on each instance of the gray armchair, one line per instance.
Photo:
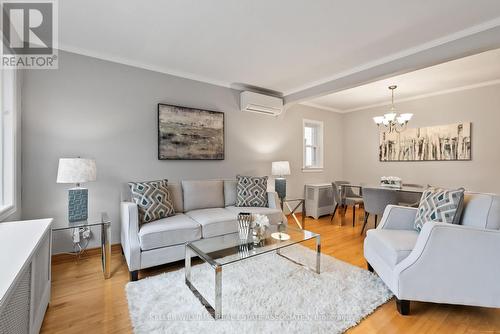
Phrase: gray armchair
(444, 263)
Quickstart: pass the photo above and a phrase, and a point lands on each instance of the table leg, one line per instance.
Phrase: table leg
(218, 292)
(187, 265)
(318, 253)
(106, 250)
(303, 214)
(293, 214)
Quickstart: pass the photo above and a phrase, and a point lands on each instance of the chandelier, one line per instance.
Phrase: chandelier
(392, 122)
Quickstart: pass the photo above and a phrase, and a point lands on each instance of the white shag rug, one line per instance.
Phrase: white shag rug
(263, 294)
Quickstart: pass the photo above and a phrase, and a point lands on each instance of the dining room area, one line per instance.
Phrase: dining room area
(431, 245)
(367, 202)
(415, 199)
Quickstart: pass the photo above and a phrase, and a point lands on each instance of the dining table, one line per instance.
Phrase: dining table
(408, 195)
(360, 186)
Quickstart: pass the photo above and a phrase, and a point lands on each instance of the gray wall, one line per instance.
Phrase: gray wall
(481, 106)
(107, 111)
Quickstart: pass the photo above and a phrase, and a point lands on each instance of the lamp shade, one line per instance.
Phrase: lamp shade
(76, 170)
(280, 168)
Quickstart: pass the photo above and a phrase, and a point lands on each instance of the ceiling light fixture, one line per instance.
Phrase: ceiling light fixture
(391, 121)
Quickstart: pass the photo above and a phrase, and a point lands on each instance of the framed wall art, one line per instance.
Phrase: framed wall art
(190, 134)
(434, 143)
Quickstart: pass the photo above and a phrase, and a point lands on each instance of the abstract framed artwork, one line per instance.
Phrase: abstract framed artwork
(190, 134)
(450, 142)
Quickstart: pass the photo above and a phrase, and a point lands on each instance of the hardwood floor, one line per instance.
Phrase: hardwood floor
(83, 301)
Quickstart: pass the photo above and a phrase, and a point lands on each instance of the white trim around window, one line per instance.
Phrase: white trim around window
(312, 145)
(8, 154)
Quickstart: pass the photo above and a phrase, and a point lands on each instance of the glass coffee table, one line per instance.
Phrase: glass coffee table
(226, 249)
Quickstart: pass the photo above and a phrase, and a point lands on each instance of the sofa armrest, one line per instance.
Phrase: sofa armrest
(273, 201)
(452, 264)
(397, 217)
(130, 234)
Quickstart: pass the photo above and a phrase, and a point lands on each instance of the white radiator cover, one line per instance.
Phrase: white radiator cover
(319, 199)
(25, 251)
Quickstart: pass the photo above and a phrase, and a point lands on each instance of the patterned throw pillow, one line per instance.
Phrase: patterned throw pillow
(440, 205)
(251, 191)
(153, 200)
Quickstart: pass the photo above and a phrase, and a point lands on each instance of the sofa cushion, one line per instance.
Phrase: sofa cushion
(169, 231)
(392, 245)
(251, 191)
(214, 221)
(440, 205)
(230, 192)
(153, 200)
(203, 194)
(176, 195)
(275, 215)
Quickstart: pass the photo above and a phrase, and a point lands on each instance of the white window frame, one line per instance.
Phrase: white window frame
(8, 152)
(318, 167)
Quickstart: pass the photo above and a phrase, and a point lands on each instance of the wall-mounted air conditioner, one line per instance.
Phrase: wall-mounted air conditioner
(260, 103)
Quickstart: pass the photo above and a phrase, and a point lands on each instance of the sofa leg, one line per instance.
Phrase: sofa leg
(134, 275)
(403, 306)
(369, 267)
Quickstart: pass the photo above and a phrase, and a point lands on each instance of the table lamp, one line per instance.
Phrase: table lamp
(76, 170)
(280, 169)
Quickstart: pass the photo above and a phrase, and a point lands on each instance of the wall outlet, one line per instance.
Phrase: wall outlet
(81, 233)
(86, 233)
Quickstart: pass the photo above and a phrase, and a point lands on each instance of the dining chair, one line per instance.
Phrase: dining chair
(408, 198)
(351, 197)
(375, 200)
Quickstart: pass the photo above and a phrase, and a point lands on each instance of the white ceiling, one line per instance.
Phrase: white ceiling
(281, 45)
(468, 72)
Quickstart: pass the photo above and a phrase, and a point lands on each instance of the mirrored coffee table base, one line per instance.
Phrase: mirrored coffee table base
(227, 249)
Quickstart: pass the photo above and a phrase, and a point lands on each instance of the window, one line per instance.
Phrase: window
(7, 142)
(313, 145)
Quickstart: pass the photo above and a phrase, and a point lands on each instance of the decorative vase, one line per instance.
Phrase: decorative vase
(244, 223)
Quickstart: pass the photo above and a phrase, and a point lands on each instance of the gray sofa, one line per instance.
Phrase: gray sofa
(203, 209)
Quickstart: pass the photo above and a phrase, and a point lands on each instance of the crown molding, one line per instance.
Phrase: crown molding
(133, 63)
(475, 39)
(312, 89)
(318, 106)
(418, 97)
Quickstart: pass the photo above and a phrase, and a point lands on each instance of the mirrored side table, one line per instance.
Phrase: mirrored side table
(300, 203)
(105, 223)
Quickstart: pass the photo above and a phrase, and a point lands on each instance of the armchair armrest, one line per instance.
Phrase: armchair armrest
(398, 218)
(452, 264)
(130, 234)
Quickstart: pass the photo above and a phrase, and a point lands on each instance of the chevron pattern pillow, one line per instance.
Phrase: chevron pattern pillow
(153, 200)
(251, 191)
(439, 205)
